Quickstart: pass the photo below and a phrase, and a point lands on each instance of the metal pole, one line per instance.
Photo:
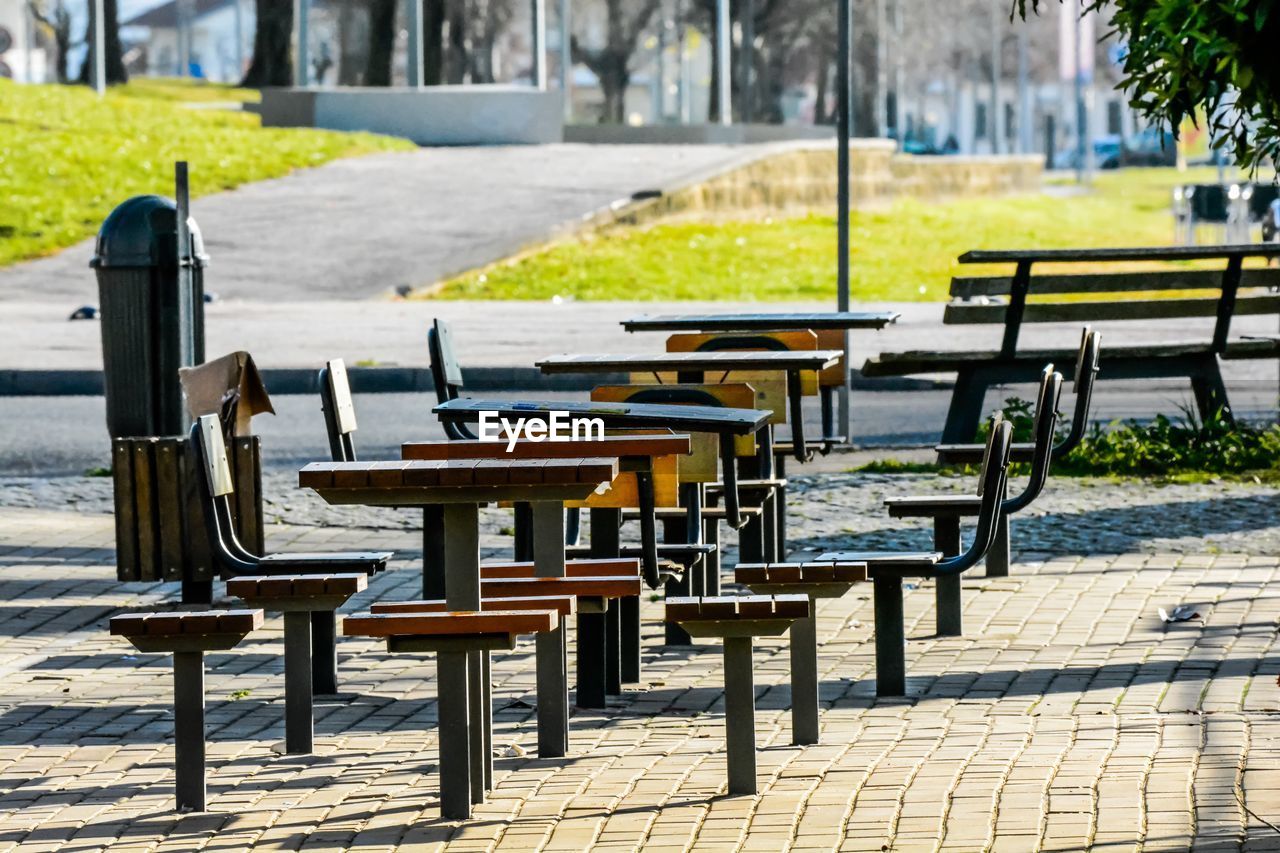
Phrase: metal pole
(302, 31)
(1081, 145)
(298, 727)
(747, 61)
(899, 71)
(540, 44)
(724, 66)
(1026, 140)
(996, 113)
(99, 69)
(882, 66)
(239, 40)
(739, 715)
(188, 729)
(414, 67)
(844, 36)
(804, 677)
(566, 57)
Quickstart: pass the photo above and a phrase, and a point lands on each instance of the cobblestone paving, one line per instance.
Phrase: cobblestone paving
(1069, 717)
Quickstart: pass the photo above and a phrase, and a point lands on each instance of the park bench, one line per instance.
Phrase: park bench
(299, 598)
(816, 581)
(216, 490)
(187, 635)
(466, 749)
(463, 487)
(736, 620)
(946, 510)
(1013, 301)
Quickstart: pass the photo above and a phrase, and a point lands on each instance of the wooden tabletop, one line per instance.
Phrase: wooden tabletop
(421, 482)
(621, 446)
(694, 361)
(761, 322)
(1152, 253)
(617, 415)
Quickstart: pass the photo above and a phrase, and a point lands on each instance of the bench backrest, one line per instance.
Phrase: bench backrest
(339, 410)
(1046, 423)
(971, 298)
(446, 372)
(1087, 366)
(991, 486)
(215, 488)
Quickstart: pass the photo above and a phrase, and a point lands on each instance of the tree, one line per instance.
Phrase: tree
(1184, 57)
(382, 42)
(272, 63)
(611, 62)
(113, 55)
(56, 21)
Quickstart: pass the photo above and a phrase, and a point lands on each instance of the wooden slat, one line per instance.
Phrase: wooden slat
(1135, 309)
(352, 475)
(126, 517)
(612, 445)
(458, 472)
(421, 474)
(529, 473)
(603, 587)
(450, 623)
(1144, 253)
(317, 475)
(144, 501)
(492, 472)
(246, 459)
(564, 605)
(596, 568)
(382, 474)
(169, 507)
(285, 586)
(1111, 282)
(189, 623)
(199, 554)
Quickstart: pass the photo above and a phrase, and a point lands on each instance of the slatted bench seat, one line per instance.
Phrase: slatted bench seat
(1110, 296)
(563, 605)
(188, 635)
(454, 636)
(587, 568)
(737, 619)
(814, 580)
(300, 598)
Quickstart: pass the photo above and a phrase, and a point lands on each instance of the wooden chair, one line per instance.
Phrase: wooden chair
(947, 510)
(187, 635)
(888, 569)
(234, 560)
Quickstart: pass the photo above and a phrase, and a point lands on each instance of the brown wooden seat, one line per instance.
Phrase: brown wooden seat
(188, 635)
(451, 624)
(582, 587)
(737, 619)
(754, 574)
(190, 631)
(563, 605)
(298, 592)
(609, 567)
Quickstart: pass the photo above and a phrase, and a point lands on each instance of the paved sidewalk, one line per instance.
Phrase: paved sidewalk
(1068, 718)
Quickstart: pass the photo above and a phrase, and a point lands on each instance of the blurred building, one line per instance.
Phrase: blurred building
(22, 54)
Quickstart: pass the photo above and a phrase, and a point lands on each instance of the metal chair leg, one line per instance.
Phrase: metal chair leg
(188, 730)
(740, 715)
(804, 678)
(891, 662)
(298, 728)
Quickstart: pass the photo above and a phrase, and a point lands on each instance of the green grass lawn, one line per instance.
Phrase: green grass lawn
(68, 157)
(903, 252)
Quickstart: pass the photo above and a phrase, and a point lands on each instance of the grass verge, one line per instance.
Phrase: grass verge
(68, 157)
(904, 252)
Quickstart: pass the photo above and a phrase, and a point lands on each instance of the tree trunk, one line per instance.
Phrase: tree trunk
(351, 53)
(272, 63)
(433, 16)
(115, 59)
(457, 57)
(614, 82)
(382, 42)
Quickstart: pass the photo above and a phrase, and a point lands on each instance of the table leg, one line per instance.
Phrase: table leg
(188, 729)
(740, 715)
(606, 542)
(324, 652)
(433, 552)
(298, 729)
(552, 663)
(455, 739)
(629, 645)
(804, 678)
(462, 592)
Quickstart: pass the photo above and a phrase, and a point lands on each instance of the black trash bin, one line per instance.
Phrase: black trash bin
(152, 313)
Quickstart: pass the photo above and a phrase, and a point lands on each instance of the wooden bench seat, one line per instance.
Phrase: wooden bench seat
(800, 573)
(563, 605)
(737, 619)
(932, 506)
(582, 587)
(188, 635)
(298, 592)
(190, 631)
(589, 568)
(461, 623)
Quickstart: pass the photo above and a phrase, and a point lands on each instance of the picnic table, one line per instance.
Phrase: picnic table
(462, 487)
(696, 367)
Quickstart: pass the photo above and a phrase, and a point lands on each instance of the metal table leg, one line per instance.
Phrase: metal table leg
(298, 730)
(188, 729)
(455, 739)
(324, 652)
(948, 602)
(740, 715)
(461, 524)
(891, 656)
(552, 665)
(804, 677)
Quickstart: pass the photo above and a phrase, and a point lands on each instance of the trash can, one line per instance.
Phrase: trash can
(151, 301)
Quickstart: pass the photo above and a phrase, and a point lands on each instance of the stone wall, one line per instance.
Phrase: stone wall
(798, 178)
